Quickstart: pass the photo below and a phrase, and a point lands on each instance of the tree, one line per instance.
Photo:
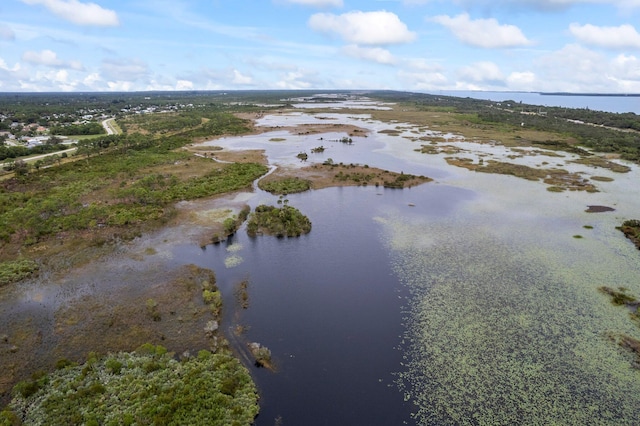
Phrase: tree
(20, 168)
(54, 140)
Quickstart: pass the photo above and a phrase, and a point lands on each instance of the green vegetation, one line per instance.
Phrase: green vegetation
(286, 221)
(152, 309)
(92, 128)
(8, 152)
(13, 271)
(123, 186)
(400, 180)
(231, 224)
(631, 229)
(619, 296)
(261, 354)
(597, 130)
(285, 186)
(203, 122)
(557, 179)
(148, 386)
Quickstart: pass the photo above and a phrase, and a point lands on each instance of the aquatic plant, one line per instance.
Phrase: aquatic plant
(631, 229)
(261, 354)
(619, 296)
(152, 310)
(242, 294)
(233, 261)
(213, 299)
(498, 333)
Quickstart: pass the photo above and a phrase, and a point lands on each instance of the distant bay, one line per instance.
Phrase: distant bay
(618, 103)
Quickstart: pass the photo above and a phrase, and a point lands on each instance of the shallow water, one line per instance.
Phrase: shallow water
(462, 301)
(503, 318)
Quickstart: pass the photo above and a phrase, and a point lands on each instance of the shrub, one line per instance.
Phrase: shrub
(286, 221)
(285, 186)
(16, 270)
(152, 388)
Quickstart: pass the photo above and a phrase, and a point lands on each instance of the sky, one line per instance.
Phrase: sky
(583, 46)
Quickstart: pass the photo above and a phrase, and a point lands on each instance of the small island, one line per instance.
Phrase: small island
(283, 221)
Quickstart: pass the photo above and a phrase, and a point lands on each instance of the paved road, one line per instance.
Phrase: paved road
(108, 125)
(38, 157)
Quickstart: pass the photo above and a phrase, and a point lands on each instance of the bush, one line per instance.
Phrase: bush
(285, 186)
(286, 221)
(16, 270)
(152, 388)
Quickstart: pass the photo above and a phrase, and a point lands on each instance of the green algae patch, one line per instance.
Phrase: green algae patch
(498, 332)
(148, 386)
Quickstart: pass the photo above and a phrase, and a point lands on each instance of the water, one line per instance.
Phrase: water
(466, 300)
(502, 319)
(617, 104)
(329, 307)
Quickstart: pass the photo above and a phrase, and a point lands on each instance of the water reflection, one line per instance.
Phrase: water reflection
(329, 306)
(470, 293)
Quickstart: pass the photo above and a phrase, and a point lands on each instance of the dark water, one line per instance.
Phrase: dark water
(329, 307)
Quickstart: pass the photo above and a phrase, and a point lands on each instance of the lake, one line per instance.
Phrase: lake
(472, 299)
(617, 104)
(493, 280)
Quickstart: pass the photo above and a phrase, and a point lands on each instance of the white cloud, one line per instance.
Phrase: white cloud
(79, 13)
(543, 5)
(124, 69)
(4, 66)
(49, 58)
(375, 54)
(120, 86)
(242, 80)
(482, 72)
(91, 80)
(574, 69)
(294, 80)
(184, 85)
(369, 28)
(421, 64)
(626, 67)
(525, 80)
(46, 57)
(422, 80)
(487, 33)
(6, 33)
(317, 3)
(624, 36)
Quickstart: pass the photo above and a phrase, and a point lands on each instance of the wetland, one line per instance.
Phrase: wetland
(451, 297)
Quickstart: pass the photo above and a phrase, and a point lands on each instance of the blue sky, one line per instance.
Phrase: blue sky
(415, 45)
